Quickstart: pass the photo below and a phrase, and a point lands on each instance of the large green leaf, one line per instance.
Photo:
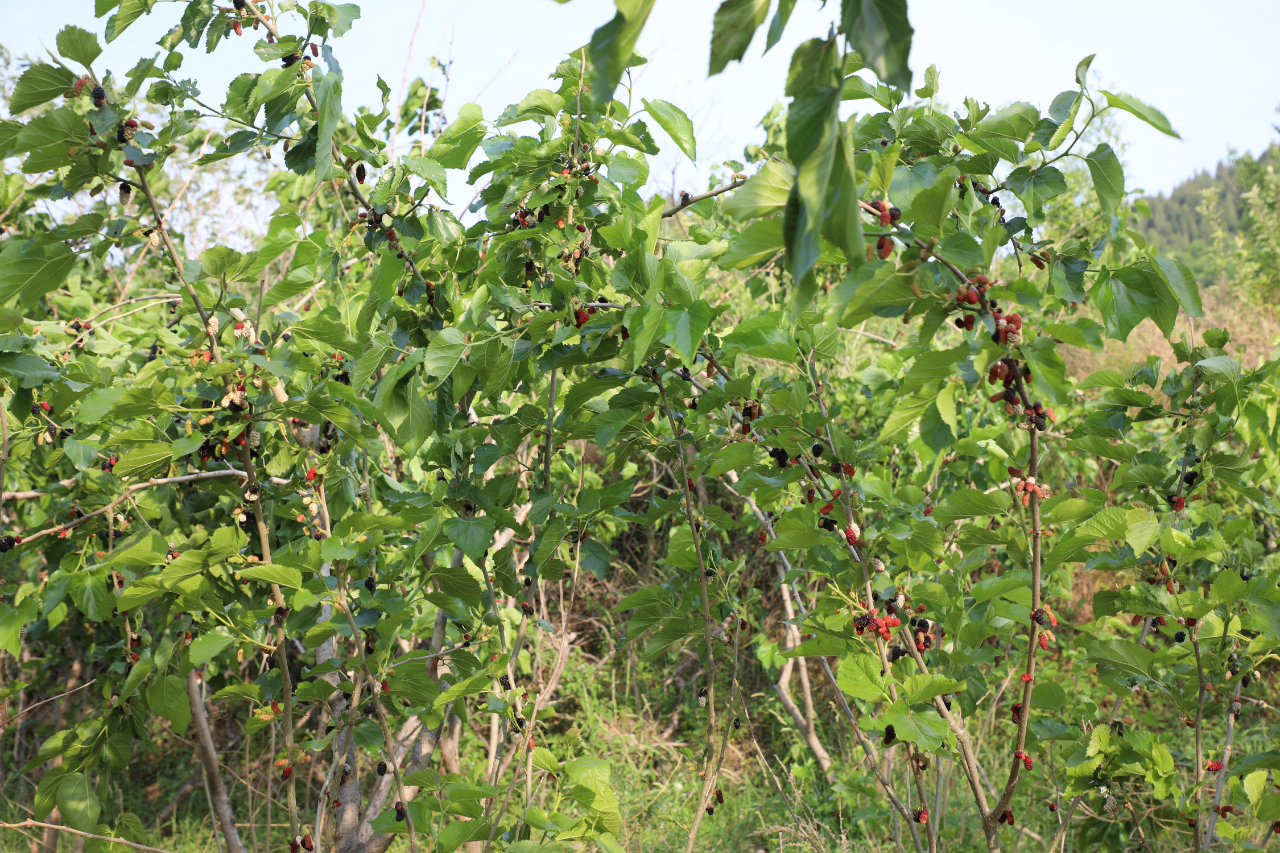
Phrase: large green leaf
(130, 11)
(612, 45)
(677, 125)
(970, 503)
(472, 535)
(683, 328)
(28, 273)
(931, 207)
(281, 575)
(1034, 188)
(78, 802)
(78, 45)
(453, 148)
(766, 192)
(328, 89)
(168, 697)
(1147, 113)
(1182, 283)
(813, 133)
(1124, 656)
(208, 644)
(734, 25)
(757, 243)
(40, 84)
(444, 353)
(1108, 176)
(880, 31)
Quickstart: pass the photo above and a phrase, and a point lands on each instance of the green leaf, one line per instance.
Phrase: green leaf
(733, 27)
(328, 89)
(208, 644)
(860, 677)
(456, 582)
(145, 460)
(168, 697)
(1149, 114)
(1109, 523)
(274, 573)
(673, 631)
(921, 688)
(1001, 585)
(444, 353)
(969, 503)
(13, 620)
(906, 411)
(1068, 122)
(765, 193)
(130, 11)
(928, 730)
(1123, 656)
(28, 273)
(612, 45)
(683, 328)
(1141, 529)
(1182, 282)
(1082, 70)
(1033, 189)
(1066, 510)
(46, 797)
(473, 536)
(541, 102)
(754, 245)
(1108, 176)
(931, 207)
(26, 369)
(765, 336)
(453, 148)
(677, 125)
(1220, 367)
(473, 686)
(78, 802)
(78, 45)
(801, 539)
(40, 84)
(880, 31)
(813, 133)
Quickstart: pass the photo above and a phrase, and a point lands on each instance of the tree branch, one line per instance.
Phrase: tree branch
(694, 199)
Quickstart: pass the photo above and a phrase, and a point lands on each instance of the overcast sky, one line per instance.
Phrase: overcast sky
(1216, 76)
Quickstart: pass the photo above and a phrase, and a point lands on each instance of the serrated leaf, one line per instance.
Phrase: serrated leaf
(39, 84)
(1147, 113)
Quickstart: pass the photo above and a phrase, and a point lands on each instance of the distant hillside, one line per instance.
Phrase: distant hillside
(1178, 226)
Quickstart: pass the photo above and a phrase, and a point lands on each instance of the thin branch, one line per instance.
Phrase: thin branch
(694, 199)
(31, 708)
(128, 492)
(60, 828)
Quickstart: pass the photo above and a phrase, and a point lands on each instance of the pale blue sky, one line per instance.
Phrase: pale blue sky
(1216, 76)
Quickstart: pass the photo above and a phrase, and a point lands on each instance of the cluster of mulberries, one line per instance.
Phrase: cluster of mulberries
(887, 213)
(879, 625)
(1028, 487)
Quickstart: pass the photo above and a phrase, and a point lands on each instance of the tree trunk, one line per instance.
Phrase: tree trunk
(223, 812)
